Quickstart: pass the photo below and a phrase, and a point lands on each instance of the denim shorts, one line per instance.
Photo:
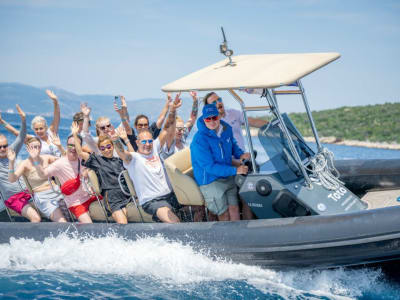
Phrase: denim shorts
(168, 200)
(219, 194)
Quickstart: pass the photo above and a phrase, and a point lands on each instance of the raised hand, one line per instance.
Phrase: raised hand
(120, 131)
(11, 154)
(34, 152)
(55, 139)
(74, 128)
(194, 95)
(177, 102)
(112, 135)
(20, 112)
(85, 109)
(51, 95)
(1, 119)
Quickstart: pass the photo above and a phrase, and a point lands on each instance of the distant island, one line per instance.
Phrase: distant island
(375, 126)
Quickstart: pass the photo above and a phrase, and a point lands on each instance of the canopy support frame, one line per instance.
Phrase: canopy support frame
(247, 128)
(271, 98)
(310, 118)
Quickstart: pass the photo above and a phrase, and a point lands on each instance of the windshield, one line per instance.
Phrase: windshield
(278, 157)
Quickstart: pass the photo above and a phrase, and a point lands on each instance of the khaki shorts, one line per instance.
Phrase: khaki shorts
(219, 194)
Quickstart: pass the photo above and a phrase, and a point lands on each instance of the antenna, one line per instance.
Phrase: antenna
(223, 48)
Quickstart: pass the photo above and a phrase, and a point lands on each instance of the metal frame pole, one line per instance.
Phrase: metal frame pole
(310, 118)
(246, 123)
(274, 106)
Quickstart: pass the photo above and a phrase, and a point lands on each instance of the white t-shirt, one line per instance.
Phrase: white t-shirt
(235, 118)
(148, 175)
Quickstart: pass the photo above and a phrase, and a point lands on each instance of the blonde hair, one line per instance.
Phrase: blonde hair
(179, 119)
(38, 119)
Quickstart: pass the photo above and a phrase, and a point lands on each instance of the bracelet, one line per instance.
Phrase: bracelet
(11, 171)
(36, 163)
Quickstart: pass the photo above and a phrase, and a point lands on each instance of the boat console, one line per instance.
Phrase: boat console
(279, 188)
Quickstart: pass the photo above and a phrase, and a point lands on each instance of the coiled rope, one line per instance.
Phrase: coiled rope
(323, 170)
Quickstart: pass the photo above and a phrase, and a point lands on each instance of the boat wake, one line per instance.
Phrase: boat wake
(179, 267)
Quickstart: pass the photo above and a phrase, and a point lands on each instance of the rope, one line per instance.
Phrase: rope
(323, 170)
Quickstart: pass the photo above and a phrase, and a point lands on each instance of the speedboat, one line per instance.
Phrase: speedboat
(311, 210)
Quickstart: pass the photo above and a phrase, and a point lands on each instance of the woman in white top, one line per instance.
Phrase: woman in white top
(48, 135)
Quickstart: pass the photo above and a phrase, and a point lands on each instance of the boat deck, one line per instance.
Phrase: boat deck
(379, 199)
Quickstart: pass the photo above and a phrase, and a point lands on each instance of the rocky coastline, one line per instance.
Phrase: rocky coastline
(338, 141)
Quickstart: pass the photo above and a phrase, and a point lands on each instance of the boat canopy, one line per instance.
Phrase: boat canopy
(252, 71)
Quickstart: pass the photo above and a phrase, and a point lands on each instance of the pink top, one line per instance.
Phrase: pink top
(64, 169)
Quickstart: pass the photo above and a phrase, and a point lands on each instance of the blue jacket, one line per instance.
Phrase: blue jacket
(212, 155)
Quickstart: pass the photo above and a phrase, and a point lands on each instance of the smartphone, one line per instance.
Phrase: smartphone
(117, 101)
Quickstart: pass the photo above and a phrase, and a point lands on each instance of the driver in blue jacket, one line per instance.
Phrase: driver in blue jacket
(212, 149)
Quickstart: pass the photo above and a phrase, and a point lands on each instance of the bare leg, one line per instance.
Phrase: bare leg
(166, 215)
(234, 212)
(30, 213)
(247, 214)
(120, 217)
(224, 216)
(85, 218)
(58, 216)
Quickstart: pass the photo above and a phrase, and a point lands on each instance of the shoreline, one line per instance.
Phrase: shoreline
(366, 144)
(338, 141)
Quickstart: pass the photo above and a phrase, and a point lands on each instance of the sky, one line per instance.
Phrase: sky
(135, 47)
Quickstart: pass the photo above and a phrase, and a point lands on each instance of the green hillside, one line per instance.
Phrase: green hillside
(374, 123)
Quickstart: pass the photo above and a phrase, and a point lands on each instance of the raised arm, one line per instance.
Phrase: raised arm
(13, 174)
(56, 115)
(193, 115)
(78, 147)
(122, 153)
(167, 135)
(55, 139)
(87, 137)
(123, 136)
(9, 127)
(19, 141)
(123, 114)
(164, 111)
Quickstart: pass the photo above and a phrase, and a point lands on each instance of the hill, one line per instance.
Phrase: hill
(34, 100)
(373, 123)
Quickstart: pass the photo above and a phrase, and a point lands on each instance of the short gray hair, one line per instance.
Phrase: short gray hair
(38, 119)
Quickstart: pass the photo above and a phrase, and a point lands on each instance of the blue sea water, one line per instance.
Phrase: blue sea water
(155, 268)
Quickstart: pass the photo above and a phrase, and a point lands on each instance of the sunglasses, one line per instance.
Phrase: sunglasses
(3, 146)
(142, 125)
(71, 146)
(35, 147)
(180, 128)
(209, 119)
(144, 142)
(219, 100)
(108, 146)
(105, 126)
(39, 128)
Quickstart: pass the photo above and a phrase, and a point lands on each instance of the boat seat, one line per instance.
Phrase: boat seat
(180, 173)
(96, 209)
(135, 212)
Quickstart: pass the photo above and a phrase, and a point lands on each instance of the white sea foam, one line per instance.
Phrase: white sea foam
(173, 263)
